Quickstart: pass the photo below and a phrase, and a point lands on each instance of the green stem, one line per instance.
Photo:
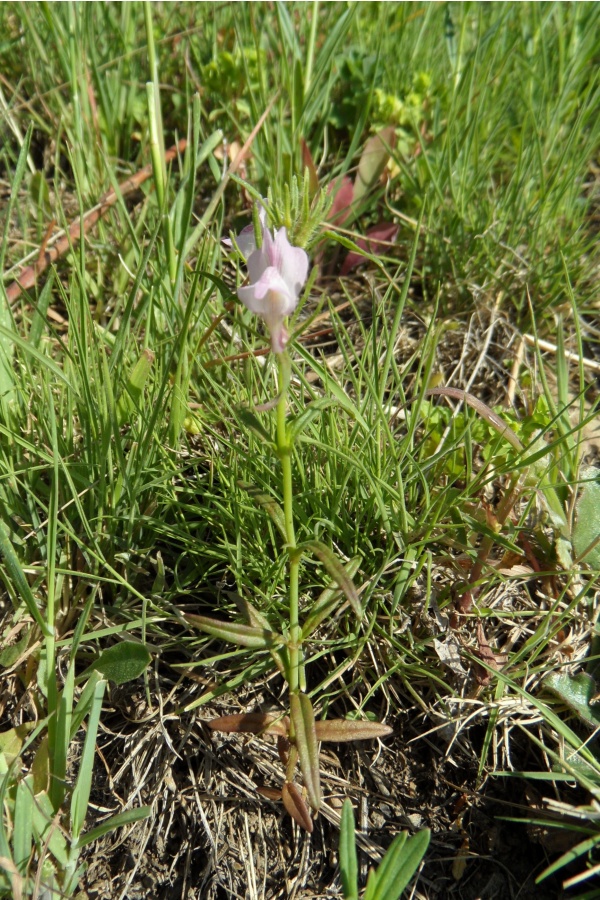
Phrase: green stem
(284, 450)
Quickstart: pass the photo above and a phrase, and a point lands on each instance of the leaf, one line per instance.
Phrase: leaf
(10, 655)
(243, 635)
(20, 584)
(337, 572)
(47, 830)
(269, 504)
(374, 243)
(343, 730)
(587, 525)
(579, 692)
(249, 420)
(327, 601)
(348, 860)
(23, 825)
(373, 160)
(118, 821)
(305, 737)
(343, 191)
(296, 807)
(296, 426)
(398, 866)
(11, 742)
(251, 723)
(122, 662)
(308, 163)
(130, 400)
(40, 767)
(270, 793)
(255, 618)
(83, 786)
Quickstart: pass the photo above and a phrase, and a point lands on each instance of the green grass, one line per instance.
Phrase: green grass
(128, 473)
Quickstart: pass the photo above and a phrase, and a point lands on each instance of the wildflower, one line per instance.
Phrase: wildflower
(277, 272)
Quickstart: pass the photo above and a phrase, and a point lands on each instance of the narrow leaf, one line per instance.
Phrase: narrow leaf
(296, 426)
(398, 866)
(23, 827)
(249, 420)
(343, 730)
(482, 409)
(83, 785)
(118, 821)
(255, 618)
(38, 320)
(348, 860)
(296, 807)
(47, 830)
(327, 601)
(251, 723)
(19, 582)
(243, 635)
(337, 572)
(269, 504)
(305, 737)
(269, 792)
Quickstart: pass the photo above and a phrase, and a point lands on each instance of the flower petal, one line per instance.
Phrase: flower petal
(292, 262)
(246, 241)
(269, 295)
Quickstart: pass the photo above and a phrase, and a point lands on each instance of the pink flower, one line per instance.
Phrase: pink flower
(277, 273)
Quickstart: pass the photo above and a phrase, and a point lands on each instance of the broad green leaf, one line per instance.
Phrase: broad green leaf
(244, 635)
(398, 866)
(337, 572)
(587, 524)
(348, 860)
(303, 720)
(122, 662)
(579, 692)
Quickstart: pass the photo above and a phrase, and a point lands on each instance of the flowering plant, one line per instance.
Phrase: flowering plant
(277, 272)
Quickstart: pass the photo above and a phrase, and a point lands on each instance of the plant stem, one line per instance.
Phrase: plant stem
(284, 450)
